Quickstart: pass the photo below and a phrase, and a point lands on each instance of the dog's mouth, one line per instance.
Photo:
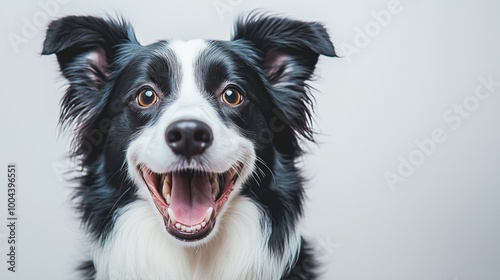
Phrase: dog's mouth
(189, 200)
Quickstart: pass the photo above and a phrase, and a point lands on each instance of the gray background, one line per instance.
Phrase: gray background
(441, 223)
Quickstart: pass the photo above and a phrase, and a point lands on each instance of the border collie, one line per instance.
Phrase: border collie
(189, 149)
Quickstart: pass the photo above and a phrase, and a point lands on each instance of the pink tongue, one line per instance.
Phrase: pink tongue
(191, 197)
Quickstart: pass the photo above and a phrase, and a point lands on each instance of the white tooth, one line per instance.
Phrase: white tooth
(189, 229)
(178, 226)
(183, 228)
(166, 186)
(171, 215)
(203, 224)
(198, 227)
(215, 188)
(209, 214)
(168, 198)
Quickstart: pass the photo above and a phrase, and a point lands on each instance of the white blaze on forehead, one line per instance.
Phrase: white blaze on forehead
(190, 102)
(187, 52)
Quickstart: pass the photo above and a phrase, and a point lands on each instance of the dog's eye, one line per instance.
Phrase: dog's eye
(146, 98)
(231, 97)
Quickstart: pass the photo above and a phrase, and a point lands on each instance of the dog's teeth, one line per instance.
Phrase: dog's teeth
(166, 186)
(178, 226)
(215, 189)
(203, 224)
(171, 215)
(183, 228)
(189, 229)
(209, 214)
(168, 199)
(198, 227)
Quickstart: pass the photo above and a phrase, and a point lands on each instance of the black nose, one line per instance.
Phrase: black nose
(188, 137)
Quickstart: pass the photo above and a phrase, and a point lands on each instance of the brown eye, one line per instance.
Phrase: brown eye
(146, 98)
(231, 97)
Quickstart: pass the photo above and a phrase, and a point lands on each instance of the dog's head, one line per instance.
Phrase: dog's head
(187, 123)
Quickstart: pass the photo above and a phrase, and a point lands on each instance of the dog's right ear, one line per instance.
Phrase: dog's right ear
(85, 46)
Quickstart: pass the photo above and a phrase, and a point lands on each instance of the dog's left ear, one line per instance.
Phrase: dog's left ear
(289, 53)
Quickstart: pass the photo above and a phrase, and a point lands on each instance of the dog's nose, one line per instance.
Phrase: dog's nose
(188, 137)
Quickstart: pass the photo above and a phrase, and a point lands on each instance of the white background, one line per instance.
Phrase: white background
(441, 223)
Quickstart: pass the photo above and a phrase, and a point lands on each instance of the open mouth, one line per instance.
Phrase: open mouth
(189, 200)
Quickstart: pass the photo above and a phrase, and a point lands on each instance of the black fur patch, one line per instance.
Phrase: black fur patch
(87, 270)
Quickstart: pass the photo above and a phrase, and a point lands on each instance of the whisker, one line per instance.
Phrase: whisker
(265, 165)
(116, 202)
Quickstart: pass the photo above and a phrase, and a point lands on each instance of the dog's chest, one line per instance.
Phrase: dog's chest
(139, 248)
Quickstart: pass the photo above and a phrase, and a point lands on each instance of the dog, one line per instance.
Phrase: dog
(188, 150)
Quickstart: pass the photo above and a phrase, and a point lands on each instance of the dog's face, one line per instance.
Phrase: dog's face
(196, 119)
(188, 125)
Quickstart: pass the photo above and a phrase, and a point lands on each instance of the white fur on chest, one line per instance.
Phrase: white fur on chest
(139, 248)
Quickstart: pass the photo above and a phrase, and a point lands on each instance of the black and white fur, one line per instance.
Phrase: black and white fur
(255, 237)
